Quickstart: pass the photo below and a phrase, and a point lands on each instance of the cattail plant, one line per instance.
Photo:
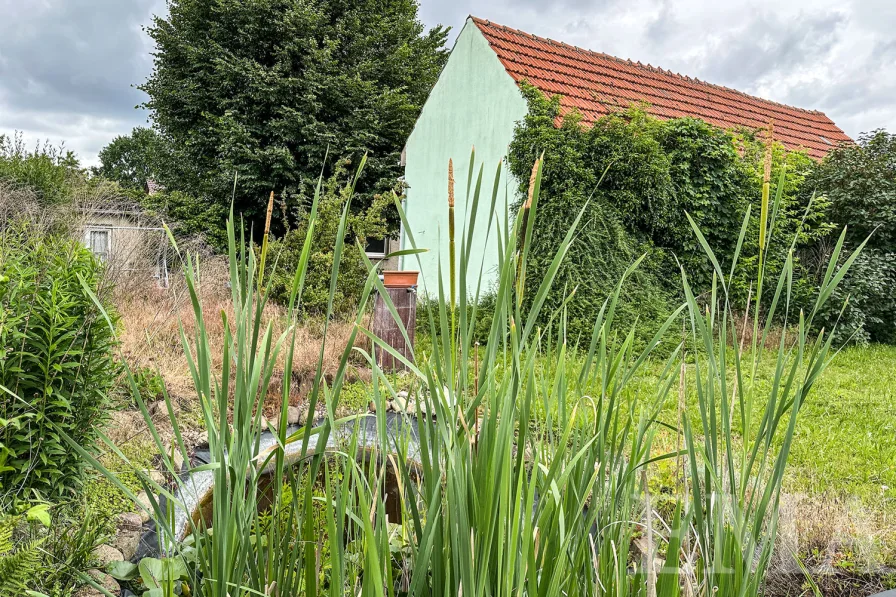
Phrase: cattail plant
(735, 482)
(522, 471)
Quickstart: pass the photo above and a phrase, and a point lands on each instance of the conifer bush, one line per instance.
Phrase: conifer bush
(362, 223)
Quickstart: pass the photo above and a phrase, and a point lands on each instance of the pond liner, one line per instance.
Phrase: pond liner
(194, 488)
(400, 428)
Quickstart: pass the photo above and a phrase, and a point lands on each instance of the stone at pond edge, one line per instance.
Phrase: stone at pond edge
(293, 415)
(106, 554)
(129, 521)
(143, 499)
(105, 580)
(126, 540)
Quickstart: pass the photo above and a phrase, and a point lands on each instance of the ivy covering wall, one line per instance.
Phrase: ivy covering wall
(637, 177)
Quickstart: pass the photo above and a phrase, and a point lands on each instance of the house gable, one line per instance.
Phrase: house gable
(475, 102)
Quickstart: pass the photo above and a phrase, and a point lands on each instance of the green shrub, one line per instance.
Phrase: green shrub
(56, 366)
(640, 178)
(49, 171)
(187, 215)
(485, 311)
(149, 383)
(361, 224)
(859, 183)
(869, 313)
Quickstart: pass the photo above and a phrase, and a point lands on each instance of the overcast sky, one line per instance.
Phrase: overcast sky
(68, 68)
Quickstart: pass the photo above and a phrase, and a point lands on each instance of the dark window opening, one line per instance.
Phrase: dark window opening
(376, 247)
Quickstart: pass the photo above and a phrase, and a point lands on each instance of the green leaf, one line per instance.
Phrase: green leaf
(122, 570)
(152, 572)
(40, 513)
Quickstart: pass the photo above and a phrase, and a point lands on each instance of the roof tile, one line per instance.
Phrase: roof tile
(597, 84)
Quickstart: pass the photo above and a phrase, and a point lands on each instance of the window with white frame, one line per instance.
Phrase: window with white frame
(376, 248)
(99, 241)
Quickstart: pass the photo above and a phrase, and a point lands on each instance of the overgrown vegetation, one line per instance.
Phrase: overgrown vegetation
(57, 364)
(48, 171)
(641, 178)
(520, 482)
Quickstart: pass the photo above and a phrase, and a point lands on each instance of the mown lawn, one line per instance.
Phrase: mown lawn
(845, 441)
(845, 438)
(846, 435)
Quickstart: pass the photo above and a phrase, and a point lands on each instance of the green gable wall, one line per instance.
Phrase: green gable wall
(474, 103)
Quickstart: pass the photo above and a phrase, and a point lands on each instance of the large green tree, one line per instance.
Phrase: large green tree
(130, 160)
(268, 89)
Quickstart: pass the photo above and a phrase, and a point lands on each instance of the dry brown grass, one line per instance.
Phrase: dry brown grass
(842, 543)
(151, 318)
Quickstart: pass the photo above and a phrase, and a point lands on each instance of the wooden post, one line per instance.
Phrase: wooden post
(405, 301)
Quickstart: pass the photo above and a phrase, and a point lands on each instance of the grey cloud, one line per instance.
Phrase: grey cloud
(76, 55)
(663, 25)
(67, 66)
(768, 46)
(68, 69)
(566, 5)
(858, 99)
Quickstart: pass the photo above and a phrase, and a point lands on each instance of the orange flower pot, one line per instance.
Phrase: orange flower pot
(396, 279)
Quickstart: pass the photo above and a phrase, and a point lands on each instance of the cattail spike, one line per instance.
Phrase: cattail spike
(264, 240)
(766, 183)
(267, 220)
(450, 183)
(532, 178)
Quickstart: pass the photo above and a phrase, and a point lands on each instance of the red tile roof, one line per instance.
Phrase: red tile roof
(596, 84)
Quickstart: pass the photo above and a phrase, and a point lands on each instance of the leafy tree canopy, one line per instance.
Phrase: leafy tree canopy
(860, 182)
(131, 160)
(268, 88)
